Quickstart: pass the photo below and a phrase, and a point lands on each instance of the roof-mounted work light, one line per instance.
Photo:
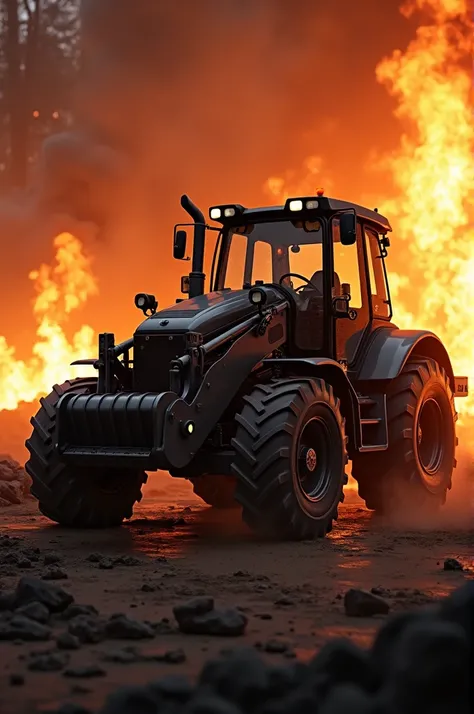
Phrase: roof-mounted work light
(310, 203)
(221, 213)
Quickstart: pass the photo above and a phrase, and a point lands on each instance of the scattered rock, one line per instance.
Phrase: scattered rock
(48, 662)
(198, 616)
(142, 700)
(147, 588)
(173, 687)
(88, 628)
(285, 602)
(14, 481)
(75, 610)
(72, 708)
(194, 607)
(106, 564)
(16, 680)
(17, 627)
(128, 655)
(222, 623)
(23, 563)
(85, 672)
(361, 603)
(55, 574)
(33, 590)
(171, 657)
(68, 641)
(121, 627)
(34, 611)
(452, 564)
(128, 560)
(275, 646)
(52, 559)
(7, 601)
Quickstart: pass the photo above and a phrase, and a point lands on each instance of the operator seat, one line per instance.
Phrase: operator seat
(316, 288)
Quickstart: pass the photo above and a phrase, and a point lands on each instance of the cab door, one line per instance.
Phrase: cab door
(349, 270)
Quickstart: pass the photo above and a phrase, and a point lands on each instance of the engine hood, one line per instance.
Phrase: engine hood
(207, 314)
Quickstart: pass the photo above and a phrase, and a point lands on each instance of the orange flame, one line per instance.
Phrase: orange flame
(60, 290)
(434, 171)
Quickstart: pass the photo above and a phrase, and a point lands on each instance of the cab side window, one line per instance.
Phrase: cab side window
(347, 267)
(378, 285)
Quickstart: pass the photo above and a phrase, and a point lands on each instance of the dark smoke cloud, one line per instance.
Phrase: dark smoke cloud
(209, 98)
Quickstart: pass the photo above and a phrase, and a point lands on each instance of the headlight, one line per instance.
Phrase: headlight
(229, 212)
(257, 296)
(310, 205)
(296, 205)
(215, 213)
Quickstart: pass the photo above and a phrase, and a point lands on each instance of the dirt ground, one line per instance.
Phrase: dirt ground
(292, 593)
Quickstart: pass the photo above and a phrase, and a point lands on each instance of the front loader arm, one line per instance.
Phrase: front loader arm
(188, 425)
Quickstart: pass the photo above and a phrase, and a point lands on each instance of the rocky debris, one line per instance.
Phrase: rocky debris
(52, 596)
(121, 627)
(16, 680)
(452, 564)
(275, 646)
(48, 661)
(14, 481)
(148, 588)
(75, 610)
(361, 603)
(7, 601)
(71, 708)
(67, 641)
(34, 611)
(171, 657)
(105, 562)
(89, 629)
(85, 672)
(127, 655)
(55, 574)
(52, 559)
(18, 627)
(199, 617)
(419, 661)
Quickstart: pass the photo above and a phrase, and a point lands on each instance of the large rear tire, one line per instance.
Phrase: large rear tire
(79, 498)
(416, 470)
(290, 458)
(215, 490)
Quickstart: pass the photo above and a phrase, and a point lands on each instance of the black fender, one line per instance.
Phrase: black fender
(333, 373)
(390, 348)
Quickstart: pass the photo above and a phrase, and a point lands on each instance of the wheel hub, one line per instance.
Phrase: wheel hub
(310, 459)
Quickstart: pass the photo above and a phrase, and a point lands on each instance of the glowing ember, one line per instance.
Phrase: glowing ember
(60, 290)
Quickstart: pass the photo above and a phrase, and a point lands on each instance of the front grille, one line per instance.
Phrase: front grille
(152, 355)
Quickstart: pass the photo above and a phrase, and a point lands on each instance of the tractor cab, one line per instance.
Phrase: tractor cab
(327, 256)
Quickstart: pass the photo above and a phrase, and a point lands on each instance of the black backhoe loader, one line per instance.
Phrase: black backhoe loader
(260, 387)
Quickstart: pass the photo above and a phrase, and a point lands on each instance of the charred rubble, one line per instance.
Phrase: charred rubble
(420, 661)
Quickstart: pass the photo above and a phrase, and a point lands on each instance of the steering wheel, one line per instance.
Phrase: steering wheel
(300, 277)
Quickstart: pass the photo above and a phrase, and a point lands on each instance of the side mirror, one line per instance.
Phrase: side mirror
(348, 228)
(179, 245)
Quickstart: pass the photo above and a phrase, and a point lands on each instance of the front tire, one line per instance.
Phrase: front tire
(290, 458)
(417, 468)
(79, 498)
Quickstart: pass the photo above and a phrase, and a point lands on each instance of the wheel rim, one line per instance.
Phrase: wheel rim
(429, 437)
(313, 463)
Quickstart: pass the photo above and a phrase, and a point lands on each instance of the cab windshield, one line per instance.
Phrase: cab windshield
(269, 251)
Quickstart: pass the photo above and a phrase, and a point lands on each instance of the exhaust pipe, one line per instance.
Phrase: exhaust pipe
(196, 276)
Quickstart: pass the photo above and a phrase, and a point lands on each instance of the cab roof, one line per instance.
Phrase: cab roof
(326, 206)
